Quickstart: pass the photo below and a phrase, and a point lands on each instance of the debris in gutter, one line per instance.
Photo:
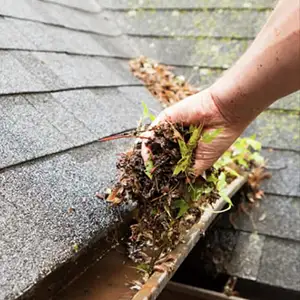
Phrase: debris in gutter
(160, 81)
(170, 199)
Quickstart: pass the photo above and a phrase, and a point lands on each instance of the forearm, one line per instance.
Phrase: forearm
(269, 70)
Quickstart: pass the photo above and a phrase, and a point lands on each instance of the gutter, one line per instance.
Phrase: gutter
(111, 276)
(157, 282)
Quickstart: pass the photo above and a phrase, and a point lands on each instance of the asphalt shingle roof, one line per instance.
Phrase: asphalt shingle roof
(64, 82)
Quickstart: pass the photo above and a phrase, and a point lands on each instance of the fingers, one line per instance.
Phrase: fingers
(203, 164)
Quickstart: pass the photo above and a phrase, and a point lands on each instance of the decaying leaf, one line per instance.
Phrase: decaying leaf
(160, 81)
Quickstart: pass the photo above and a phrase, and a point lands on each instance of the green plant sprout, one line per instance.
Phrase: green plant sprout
(187, 149)
(146, 113)
(149, 167)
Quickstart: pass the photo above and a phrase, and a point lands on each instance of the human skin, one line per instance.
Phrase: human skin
(266, 72)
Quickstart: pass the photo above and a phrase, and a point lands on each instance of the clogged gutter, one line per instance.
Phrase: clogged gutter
(170, 199)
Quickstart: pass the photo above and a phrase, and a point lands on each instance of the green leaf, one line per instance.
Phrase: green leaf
(181, 166)
(144, 267)
(212, 178)
(209, 136)
(232, 172)
(208, 190)
(75, 248)
(221, 184)
(145, 109)
(149, 167)
(196, 191)
(195, 135)
(254, 144)
(154, 211)
(241, 161)
(183, 207)
(186, 150)
(255, 156)
(183, 148)
(146, 112)
(151, 117)
(225, 197)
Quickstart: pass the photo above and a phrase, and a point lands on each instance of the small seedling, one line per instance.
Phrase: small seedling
(146, 112)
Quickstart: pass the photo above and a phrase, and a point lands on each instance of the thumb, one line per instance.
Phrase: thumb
(205, 157)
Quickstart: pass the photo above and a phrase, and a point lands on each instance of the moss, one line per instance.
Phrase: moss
(279, 127)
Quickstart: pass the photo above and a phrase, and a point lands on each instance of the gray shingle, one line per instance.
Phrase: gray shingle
(31, 134)
(45, 123)
(191, 52)
(284, 166)
(51, 38)
(18, 80)
(10, 37)
(274, 216)
(276, 129)
(219, 23)
(89, 5)
(39, 70)
(105, 111)
(135, 95)
(280, 263)
(37, 230)
(51, 71)
(186, 4)
(117, 46)
(291, 101)
(29, 35)
(7, 149)
(79, 71)
(62, 119)
(246, 256)
(63, 16)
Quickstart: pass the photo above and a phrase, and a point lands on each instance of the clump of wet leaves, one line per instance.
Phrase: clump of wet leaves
(166, 208)
(170, 199)
(161, 81)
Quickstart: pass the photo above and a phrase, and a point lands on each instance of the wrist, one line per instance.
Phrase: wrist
(242, 93)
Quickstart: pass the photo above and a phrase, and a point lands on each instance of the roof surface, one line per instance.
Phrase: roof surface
(64, 82)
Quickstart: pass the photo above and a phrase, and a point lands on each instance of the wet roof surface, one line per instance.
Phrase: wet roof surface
(64, 82)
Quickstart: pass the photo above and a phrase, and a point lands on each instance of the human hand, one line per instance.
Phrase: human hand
(202, 109)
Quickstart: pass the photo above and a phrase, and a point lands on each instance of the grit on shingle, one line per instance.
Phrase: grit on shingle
(38, 231)
(40, 11)
(41, 124)
(89, 6)
(219, 23)
(186, 4)
(280, 263)
(64, 82)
